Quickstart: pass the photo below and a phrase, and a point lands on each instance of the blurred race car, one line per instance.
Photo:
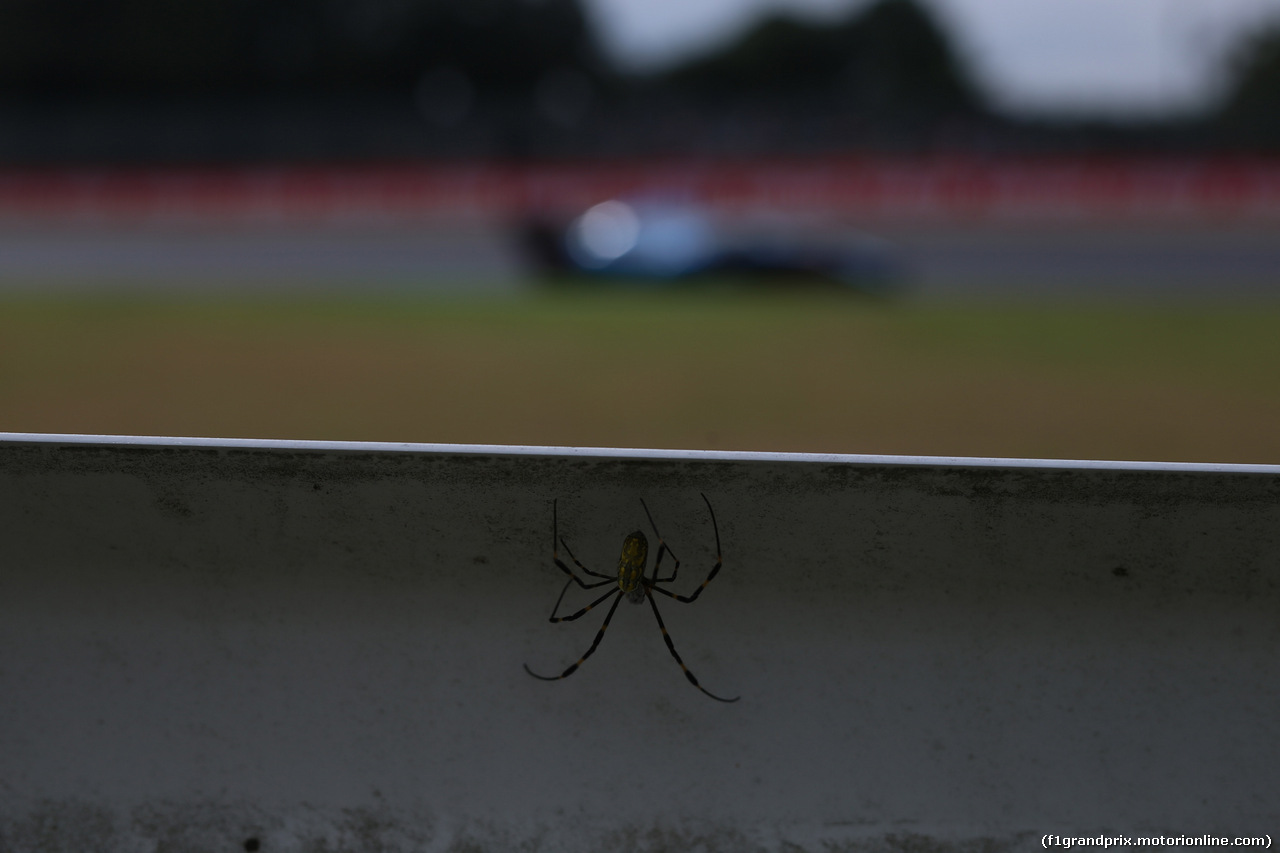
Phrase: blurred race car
(649, 242)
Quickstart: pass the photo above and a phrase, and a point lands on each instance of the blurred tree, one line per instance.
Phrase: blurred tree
(893, 59)
(1250, 115)
(72, 48)
(112, 80)
(60, 49)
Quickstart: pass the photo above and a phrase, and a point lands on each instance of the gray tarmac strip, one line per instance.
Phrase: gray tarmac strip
(984, 259)
(1125, 259)
(268, 258)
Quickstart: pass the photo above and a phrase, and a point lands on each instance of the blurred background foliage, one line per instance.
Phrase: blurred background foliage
(1251, 110)
(893, 58)
(238, 48)
(233, 80)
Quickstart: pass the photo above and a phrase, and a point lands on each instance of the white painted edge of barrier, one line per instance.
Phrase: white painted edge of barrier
(635, 453)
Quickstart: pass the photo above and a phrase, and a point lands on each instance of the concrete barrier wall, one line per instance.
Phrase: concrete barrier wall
(232, 645)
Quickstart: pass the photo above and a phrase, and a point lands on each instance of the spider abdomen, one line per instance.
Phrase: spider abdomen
(631, 565)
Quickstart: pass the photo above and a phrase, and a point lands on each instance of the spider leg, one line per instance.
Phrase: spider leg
(663, 548)
(555, 554)
(714, 571)
(578, 564)
(671, 647)
(583, 611)
(594, 643)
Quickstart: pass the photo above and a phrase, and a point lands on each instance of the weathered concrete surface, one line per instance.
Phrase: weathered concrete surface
(222, 646)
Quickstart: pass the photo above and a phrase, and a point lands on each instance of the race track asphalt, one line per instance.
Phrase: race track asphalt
(937, 260)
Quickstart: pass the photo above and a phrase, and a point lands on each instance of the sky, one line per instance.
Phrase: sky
(1111, 57)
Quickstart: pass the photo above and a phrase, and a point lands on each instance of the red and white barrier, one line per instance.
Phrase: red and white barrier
(932, 189)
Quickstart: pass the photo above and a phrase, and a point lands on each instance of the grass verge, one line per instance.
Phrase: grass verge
(809, 372)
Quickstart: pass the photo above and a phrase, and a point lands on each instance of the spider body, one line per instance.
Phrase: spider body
(631, 565)
(631, 582)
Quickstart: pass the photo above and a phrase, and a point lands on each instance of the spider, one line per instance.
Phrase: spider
(632, 584)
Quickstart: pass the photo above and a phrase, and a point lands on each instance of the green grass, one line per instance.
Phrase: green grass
(705, 370)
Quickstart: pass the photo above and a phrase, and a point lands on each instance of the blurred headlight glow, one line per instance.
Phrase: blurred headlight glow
(604, 233)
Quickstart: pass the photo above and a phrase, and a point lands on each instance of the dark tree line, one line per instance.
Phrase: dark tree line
(1250, 116)
(73, 49)
(893, 59)
(85, 79)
